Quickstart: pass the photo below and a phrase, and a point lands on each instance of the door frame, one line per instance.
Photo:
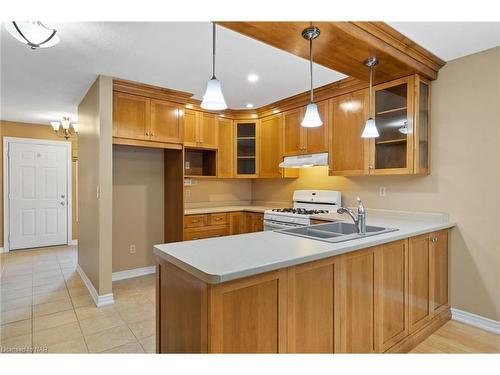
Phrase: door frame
(6, 183)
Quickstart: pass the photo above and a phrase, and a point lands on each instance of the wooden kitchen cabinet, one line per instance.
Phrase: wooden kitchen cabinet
(314, 307)
(270, 153)
(359, 332)
(225, 151)
(419, 288)
(349, 153)
(253, 222)
(246, 148)
(392, 278)
(200, 129)
(222, 224)
(439, 271)
(236, 223)
(299, 140)
(140, 118)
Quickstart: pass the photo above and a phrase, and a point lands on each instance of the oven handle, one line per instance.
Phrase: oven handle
(273, 225)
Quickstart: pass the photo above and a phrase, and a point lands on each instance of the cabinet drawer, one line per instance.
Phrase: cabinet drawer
(195, 221)
(218, 219)
(207, 232)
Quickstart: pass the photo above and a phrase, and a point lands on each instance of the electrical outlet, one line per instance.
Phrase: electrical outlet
(132, 249)
(381, 191)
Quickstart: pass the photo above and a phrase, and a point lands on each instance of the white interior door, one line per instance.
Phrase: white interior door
(38, 195)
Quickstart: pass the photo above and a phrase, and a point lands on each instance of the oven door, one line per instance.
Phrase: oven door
(276, 225)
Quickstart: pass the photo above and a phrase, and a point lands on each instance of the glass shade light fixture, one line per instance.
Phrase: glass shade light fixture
(213, 98)
(68, 129)
(33, 33)
(311, 118)
(370, 130)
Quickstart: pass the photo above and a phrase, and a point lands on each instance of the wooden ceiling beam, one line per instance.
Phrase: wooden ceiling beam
(344, 46)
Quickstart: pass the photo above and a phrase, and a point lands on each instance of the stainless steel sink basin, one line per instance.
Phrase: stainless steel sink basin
(335, 232)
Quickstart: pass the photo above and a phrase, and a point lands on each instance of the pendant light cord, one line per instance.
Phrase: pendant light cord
(311, 68)
(213, 50)
(370, 93)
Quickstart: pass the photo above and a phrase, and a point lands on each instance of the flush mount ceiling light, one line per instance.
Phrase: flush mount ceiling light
(370, 130)
(68, 129)
(213, 98)
(33, 33)
(311, 118)
(249, 105)
(253, 78)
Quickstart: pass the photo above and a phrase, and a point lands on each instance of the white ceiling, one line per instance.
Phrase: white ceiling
(44, 85)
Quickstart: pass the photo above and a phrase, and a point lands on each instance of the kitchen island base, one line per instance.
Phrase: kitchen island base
(386, 298)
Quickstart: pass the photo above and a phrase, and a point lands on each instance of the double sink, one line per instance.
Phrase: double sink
(335, 232)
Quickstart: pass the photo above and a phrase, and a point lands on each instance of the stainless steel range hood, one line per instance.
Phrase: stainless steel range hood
(304, 161)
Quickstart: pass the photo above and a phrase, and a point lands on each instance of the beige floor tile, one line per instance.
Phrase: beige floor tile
(101, 323)
(10, 316)
(57, 280)
(109, 339)
(130, 348)
(59, 295)
(93, 311)
(78, 291)
(51, 336)
(14, 294)
(149, 344)
(137, 314)
(53, 320)
(17, 344)
(82, 301)
(74, 282)
(143, 329)
(47, 274)
(52, 307)
(17, 285)
(19, 328)
(74, 346)
(49, 288)
(16, 303)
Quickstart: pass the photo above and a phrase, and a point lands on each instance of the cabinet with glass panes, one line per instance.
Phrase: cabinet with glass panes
(246, 148)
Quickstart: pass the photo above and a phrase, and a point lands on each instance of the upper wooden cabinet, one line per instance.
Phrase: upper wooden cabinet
(402, 115)
(299, 140)
(225, 152)
(200, 129)
(139, 118)
(348, 153)
(246, 148)
(270, 146)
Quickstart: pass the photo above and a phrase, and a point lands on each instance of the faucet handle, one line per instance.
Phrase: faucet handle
(361, 208)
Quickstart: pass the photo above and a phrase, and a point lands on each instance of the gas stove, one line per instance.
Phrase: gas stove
(305, 204)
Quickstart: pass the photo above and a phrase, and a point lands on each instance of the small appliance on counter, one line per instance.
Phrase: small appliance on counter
(305, 204)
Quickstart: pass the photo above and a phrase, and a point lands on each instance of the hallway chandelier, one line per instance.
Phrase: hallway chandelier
(65, 128)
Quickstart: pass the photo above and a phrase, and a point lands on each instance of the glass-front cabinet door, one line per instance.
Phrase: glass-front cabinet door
(392, 152)
(246, 148)
(422, 126)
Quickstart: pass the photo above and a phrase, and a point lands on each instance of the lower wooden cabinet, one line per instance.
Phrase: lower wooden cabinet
(221, 224)
(386, 298)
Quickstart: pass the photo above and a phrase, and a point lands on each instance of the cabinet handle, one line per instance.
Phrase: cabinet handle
(434, 239)
(195, 221)
(147, 133)
(370, 166)
(152, 134)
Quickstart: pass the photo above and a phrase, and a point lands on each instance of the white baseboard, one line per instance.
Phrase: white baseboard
(73, 242)
(99, 300)
(2, 250)
(476, 320)
(136, 272)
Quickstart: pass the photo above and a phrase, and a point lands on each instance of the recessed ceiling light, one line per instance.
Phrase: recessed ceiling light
(249, 105)
(253, 78)
(275, 111)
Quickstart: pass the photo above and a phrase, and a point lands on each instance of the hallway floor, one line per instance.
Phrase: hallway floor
(45, 307)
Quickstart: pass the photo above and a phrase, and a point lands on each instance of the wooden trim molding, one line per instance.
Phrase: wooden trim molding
(152, 144)
(150, 91)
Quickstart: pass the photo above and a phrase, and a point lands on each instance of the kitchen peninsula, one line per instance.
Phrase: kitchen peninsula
(269, 292)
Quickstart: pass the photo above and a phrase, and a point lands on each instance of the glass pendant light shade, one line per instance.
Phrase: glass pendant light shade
(55, 125)
(311, 118)
(75, 127)
(33, 33)
(65, 123)
(370, 130)
(213, 98)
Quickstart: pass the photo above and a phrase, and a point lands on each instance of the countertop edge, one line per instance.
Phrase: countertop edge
(218, 279)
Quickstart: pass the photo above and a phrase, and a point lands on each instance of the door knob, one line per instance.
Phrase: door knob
(62, 203)
(63, 196)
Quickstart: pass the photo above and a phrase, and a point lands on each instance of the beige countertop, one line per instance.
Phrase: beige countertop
(217, 260)
(212, 210)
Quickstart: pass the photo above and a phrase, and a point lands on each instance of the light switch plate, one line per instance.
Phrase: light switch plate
(382, 191)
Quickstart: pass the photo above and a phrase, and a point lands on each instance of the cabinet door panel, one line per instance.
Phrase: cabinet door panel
(236, 223)
(165, 122)
(349, 153)
(439, 271)
(208, 130)
(225, 151)
(311, 311)
(316, 139)
(419, 288)
(131, 116)
(270, 146)
(358, 318)
(292, 132)
(190, 128)
(393, 292)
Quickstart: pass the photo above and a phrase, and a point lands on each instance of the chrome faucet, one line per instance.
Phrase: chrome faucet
(359, 220)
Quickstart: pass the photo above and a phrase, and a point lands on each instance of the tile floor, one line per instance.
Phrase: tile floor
(45, 307)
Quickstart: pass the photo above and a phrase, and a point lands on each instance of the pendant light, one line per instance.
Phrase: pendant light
(213, 98)
(33, 33)
(311, 118)
(370, 130)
